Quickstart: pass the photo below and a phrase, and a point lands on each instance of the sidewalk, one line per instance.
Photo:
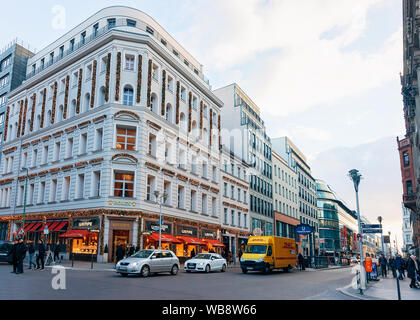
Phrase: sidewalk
(384, 289)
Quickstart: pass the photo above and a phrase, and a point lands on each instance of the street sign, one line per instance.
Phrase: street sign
(371, 226)
(359, 236)
(46, 231)
(304, 229)
(372, 230)
(21, 232)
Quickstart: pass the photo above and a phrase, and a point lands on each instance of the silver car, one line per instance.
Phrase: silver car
(146, 262)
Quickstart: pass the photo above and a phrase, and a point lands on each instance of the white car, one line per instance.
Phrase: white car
(206, 262)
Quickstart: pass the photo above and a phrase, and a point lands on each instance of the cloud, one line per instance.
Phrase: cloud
(305, 132)
(294, 65)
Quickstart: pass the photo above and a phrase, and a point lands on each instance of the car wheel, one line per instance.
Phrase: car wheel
(145, 271)
(244, 270)
(174, 270)
(224, 268)
(124, 275)
(207, 268)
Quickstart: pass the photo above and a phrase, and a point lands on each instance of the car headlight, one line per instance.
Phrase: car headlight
(260, 259)
(135, 264)
(201, 263)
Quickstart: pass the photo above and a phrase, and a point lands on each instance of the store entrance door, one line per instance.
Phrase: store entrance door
(119, 237)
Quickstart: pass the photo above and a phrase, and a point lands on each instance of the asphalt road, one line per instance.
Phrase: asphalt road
(232, 285)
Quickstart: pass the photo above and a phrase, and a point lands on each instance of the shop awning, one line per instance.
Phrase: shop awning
(35, 227)
(74, 234)
(60, 226)
(165, 238)
(28, 226)
(48, 224)
(192, 241)
(53, 225)
(214, 243)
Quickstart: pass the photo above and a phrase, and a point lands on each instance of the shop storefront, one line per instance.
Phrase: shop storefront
(34, 231)
(190, 242)
(120, 232)
(168, 241)
(210, 238)
(4, 227)
(81, 239)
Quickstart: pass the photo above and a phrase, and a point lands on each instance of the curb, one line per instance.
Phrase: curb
(356, 296)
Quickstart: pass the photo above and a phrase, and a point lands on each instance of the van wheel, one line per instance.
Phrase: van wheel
(174, 270)
(244, 270)
(145, 271)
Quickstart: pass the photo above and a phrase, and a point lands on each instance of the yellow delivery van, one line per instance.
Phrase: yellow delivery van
(267, 253)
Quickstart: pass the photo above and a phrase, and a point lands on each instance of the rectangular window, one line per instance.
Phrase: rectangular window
(151, 187)
(152, 145)
(214, 174)
(83, 144)
(69, 148)
(204, 203)
(131, 23)
(80, 187)
(65, 196)
(167, 188)
(123, 185)
(193, 201)
(53, 191)
(57, 148)
(182, 160)
(126, 138)
(129, 62)
(225, 189)
(45, 155)
(150, 30)
(181, 197)
(214, 207)
(99, 133)
(34, 157)
(205, 169)
(96, 184)
(111, 23)
(232, 216)
(225, 217)
(41, 193)
(30, 199)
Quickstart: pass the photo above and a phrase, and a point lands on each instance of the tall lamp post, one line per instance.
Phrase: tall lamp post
(24, 199)
(356, 177)
(162, 198)
(382, 238)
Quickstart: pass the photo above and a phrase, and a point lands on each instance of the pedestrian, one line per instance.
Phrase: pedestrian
(120, 253)
(12, 255)
(391, 264)
(131, 251)
(40, 257)
(31, 252)
(57, 252)
(383, 263)
(20, 254)
(192, 253)
(399, 265)
(240, 253)
(413, 271)
(230, 257)
(301, 260)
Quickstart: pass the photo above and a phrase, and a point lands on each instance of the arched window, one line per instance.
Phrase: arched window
(154, 103)
(169, 113)
(194, 129)
(128, 96)
(86, 103)
(182, 121)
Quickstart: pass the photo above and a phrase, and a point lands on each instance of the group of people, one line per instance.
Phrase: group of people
(20, 249)
(398, 263)
(122, 252)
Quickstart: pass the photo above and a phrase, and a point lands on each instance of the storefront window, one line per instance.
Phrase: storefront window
(87, 245)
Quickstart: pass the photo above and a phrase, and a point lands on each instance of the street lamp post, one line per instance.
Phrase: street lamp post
(382, 238)
(24, 199)
(356, 177)
(162, 198)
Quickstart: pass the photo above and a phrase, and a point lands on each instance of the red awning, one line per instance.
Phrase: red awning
(35, 227)
(214, 243)
(43, 227)
(192, 241)
(165, 238)
(60, 226)
(28, 226)
(53, 225)
(73, 234)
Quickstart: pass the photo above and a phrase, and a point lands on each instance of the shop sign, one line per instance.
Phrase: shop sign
(154, 226)
(304, 229)
(187, 231)
(86, 223)
(121, 225)
(122, 203)
(207, 234)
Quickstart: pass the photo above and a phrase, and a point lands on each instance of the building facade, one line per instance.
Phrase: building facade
(306, 190)
(13, 60)
(407, 229)
(110, 113)
(244, 133)
(286, 207)
(410, 92)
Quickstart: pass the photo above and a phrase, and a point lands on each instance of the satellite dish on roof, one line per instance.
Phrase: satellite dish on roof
(257, 232)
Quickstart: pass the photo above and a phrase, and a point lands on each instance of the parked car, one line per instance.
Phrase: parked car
(354, 260)
(146, 262)
(206, 262)
(5, 247)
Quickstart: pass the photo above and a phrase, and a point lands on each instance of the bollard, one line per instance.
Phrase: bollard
(91, 260)
(398, 289)
(72, 259)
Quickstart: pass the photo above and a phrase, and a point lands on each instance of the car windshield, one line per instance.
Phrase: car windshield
(143, 254)
(256, 249)
(203, 256)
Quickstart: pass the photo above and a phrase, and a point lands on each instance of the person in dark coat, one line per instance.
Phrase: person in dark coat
(413, 271)
(12, 256)
(57, 252)
(131, 250)
(193, 253)
(301, 260)
(383, 263)
(31, 252)
(40, 257)
(391, 264)
(399, 265)
(20, 255)
(120, 253)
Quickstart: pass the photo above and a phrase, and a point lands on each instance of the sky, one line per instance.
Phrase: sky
(323, 72)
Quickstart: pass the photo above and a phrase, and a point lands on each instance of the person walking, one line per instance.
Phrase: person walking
(230, 257)
(57, 252)
(301, 260)
(392, 267)
(193, 253)
(20, 254)
(413, 271)
(399, 265)
(12, 256)
(131, 250)
(40, 257)
(31, 252)
(120, 253)
(383, 263)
